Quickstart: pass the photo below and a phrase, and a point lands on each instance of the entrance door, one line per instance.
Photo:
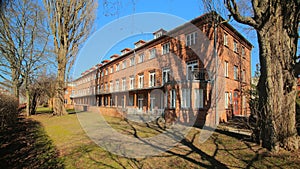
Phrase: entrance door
(236, 107)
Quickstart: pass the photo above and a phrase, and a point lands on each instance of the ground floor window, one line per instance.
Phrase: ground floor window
(198, 98)
(185, 98)
(140, 102)
(172, 98)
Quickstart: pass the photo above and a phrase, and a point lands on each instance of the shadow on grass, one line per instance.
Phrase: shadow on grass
(237, 149)
(26, 145)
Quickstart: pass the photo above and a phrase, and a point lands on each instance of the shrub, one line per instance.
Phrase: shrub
(8, 110)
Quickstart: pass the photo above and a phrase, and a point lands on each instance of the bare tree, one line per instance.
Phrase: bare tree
(22, 42)
(71, 22)
(276, 23)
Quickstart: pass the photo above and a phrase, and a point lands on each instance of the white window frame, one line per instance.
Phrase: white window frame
(225, 39)
(124, 64)
(152, 79)
(112, 69)
(141, 58)
(194, 66)
(152, 53)
(191, 39)
(117, 86)
(226, 101)
(235, 72)
(140, 81)
(235, 46)
(117, 67)
(172, 98)
(166, 75)
(166, 48)
(131, 86)
(243, 51)
(185, 98)
(226, 68)
(124, 83)
(140, 102)
(198, 98)
(132, 61)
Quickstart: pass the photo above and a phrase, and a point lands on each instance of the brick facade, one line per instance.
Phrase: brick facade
(172, 74)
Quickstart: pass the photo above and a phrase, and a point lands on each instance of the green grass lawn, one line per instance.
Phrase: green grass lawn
(220, 151)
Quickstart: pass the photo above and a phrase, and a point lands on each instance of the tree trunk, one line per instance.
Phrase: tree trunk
(277, 84)
(59, 108)
(28, 103)
(15, 84)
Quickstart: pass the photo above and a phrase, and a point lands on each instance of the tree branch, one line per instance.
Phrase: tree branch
(233, 9)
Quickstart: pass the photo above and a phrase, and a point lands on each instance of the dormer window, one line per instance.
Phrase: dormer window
(124, 51)
(139, 43)
(159, 33)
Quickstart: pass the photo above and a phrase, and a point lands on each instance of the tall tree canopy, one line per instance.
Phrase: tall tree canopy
(71, 22)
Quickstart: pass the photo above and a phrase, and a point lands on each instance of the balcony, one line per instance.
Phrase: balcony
(198, 74)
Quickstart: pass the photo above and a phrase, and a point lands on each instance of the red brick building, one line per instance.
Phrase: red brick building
(172, 74)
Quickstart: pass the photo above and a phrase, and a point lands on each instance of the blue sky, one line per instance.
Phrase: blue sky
(107, 40)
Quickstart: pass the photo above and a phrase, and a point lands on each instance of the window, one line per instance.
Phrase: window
(124, 83)
(166, 76)
(191, 39)
(117, 67)
(235, 73)
(226, 100)
(112, 69)
(172, 98)
(244, 102)
(111, 86)
(106, 71)
(124, 64)
(152, 53)
(141, 81)
(225, 39)
(131, 82)
(243, 76)
(165, 48)
(141, 58)
(106, 87)
(243, 51)
(117, 85)
(140, 102)
(152, 79)
(132, 60)
(165, 99)
(185, 98)
(152, 103)
(192, 69)
(235, 46)
(198, 98)
(158, 34)
(226, 69)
